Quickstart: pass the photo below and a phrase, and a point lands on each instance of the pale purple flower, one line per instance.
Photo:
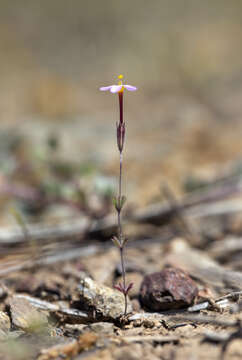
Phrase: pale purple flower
(118, 88)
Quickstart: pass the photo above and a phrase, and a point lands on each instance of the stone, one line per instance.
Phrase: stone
(100, 301)
(168, 289)
(136, 305)
(4, 322)
(74, 330)
(102, 327)
(5, 325)
(27, 317)
(3, 292)
(71, 349)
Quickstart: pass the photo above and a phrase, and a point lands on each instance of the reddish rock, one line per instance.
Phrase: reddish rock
(168, 289)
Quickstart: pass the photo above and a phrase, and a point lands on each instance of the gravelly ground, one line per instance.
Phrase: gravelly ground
(183, 129)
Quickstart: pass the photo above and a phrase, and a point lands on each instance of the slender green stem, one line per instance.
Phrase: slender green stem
(120, 230)
(120, 142)
(124, 279)
(120, 233)
(120, 174)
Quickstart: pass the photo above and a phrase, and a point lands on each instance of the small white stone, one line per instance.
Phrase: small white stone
(105, 301)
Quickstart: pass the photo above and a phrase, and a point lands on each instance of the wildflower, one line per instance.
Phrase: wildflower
(120, 240)
(118, 88)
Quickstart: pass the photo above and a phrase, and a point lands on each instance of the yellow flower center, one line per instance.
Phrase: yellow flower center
(120, 82)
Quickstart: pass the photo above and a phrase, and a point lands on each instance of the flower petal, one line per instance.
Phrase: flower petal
(130, 88)
(105, 88)
(115, 88)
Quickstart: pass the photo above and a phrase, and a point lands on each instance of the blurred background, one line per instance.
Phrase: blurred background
(57, 131)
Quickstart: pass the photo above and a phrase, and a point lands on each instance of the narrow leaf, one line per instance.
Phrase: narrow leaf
(116, 241)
